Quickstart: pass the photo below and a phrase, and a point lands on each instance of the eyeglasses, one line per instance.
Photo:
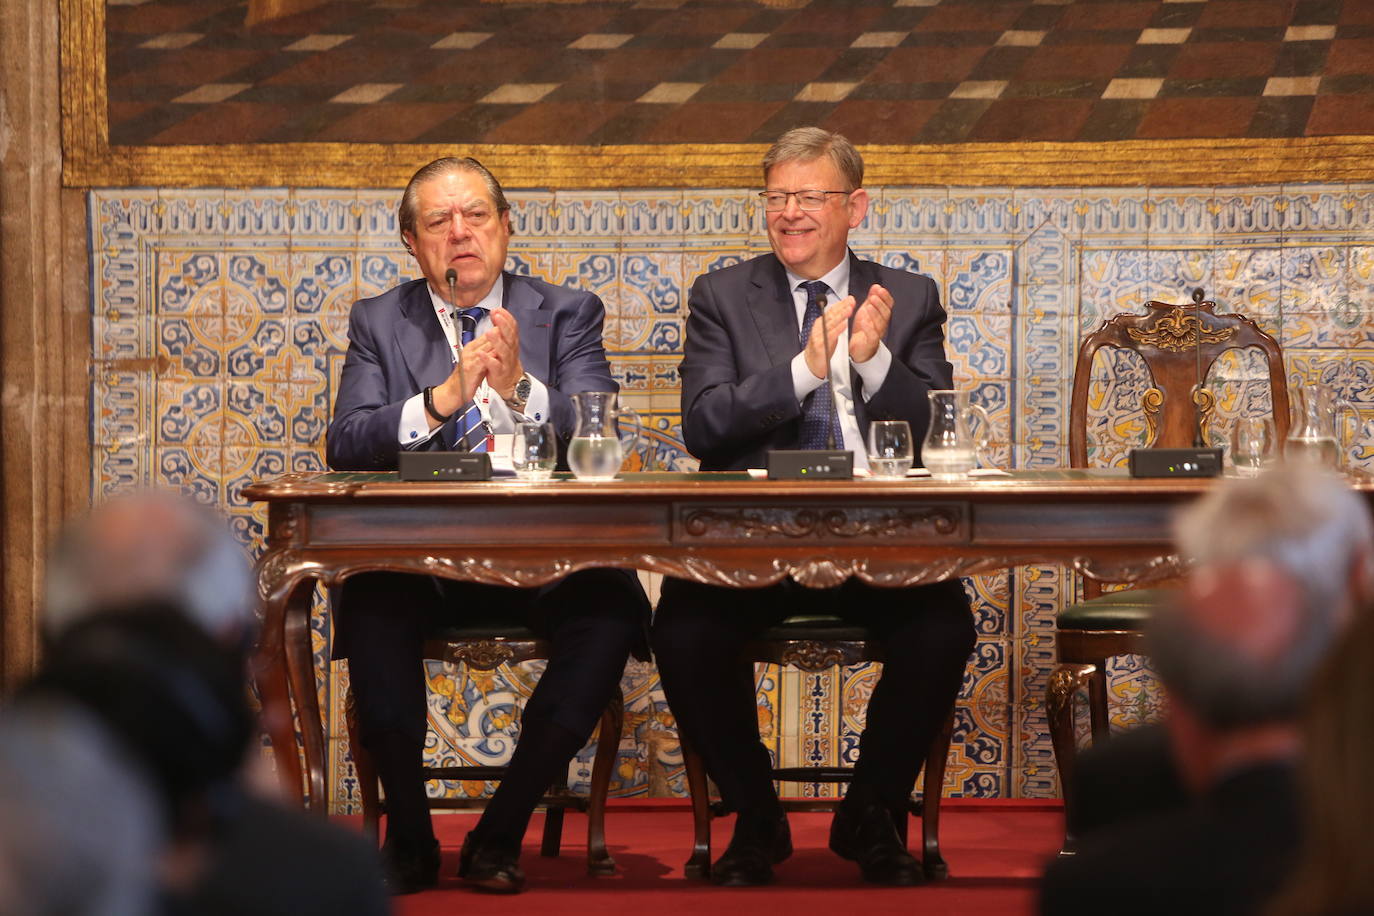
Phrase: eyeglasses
(806, 199)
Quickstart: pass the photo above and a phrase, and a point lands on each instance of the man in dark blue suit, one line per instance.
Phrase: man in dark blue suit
(753, 380)
(525, 346)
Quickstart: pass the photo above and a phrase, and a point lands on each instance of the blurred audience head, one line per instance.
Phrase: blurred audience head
(170, 692)
(1281, 561)
(1333, 874)
(153, 546)
(80, 830)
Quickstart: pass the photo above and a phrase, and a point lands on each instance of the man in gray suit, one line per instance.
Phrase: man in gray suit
(526, 346)
(753, 379)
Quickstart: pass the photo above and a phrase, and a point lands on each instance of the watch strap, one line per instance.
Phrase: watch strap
(431, 409)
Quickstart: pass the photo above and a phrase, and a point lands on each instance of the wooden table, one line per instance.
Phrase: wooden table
(726, 529)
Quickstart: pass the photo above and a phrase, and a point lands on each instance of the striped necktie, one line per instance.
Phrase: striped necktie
(818, 411)
(470, 430)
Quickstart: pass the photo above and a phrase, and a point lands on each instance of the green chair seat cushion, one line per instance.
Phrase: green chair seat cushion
(824, 627)
(1126, 610)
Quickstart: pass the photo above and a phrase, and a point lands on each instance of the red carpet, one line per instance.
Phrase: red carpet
(995, 851)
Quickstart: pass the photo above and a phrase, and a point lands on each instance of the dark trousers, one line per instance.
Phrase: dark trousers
(926, 633)
(593, 618)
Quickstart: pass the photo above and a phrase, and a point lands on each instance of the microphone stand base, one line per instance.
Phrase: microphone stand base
(445, 466)
(1175, 462)
(810, 464)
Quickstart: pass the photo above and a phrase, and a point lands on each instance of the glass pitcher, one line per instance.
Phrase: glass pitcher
(950, 449)
(599, 445)
(1324, 427)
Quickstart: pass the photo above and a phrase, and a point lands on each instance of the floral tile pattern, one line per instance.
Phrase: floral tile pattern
(219, 323)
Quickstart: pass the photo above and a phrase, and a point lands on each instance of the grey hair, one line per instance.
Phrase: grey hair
(147, 547)
(82, 829)
(406, 211)
(803, 144)
(1307, 525)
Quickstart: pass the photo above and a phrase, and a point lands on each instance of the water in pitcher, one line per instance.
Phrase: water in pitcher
(1322, 451)
(595, 457)
(949, 463)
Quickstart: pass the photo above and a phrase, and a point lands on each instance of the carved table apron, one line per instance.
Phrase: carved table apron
(724, 529)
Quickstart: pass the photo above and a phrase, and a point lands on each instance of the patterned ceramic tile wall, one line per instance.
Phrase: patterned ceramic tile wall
(219, 330)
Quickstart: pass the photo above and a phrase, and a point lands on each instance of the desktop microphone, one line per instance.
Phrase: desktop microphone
(445, 466)
(804, 464)
(1198, 461)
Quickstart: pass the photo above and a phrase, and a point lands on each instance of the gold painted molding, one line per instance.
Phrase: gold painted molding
(90, 160)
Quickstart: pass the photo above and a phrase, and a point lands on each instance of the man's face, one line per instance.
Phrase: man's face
(457, 226)
(812, 242)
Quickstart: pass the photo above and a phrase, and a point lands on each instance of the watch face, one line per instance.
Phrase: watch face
(522, 388)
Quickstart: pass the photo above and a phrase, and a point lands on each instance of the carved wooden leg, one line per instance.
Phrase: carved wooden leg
(284, 589)
(300, 666)
(274, 692)
(699, 864)
(367, 773)
(599, 861)
(1064, 683)
(933, 788)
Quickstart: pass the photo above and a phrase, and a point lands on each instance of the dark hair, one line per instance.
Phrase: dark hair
(405, 211)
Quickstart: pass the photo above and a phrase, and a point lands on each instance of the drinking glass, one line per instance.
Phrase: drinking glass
(889, 448)
(533, 450)
(1252, 445)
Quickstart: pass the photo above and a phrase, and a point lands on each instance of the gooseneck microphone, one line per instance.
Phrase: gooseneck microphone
(451, 278)
(1199, 440)
(829, 380)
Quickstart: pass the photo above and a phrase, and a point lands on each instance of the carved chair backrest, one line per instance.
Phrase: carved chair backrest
(1178, 344)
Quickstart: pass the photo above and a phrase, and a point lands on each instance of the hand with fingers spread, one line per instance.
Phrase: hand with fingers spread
(835, 317)
(870, 324)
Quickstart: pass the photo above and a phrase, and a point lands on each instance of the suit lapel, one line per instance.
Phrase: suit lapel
(862, 276)
(424, 348)
(774, 311)
(525, 304)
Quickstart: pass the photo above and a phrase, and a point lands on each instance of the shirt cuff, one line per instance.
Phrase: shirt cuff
(874, 372)
(414, 428)
(803, 382)
(537, 404)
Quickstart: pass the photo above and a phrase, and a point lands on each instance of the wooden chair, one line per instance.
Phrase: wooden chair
(814, 643)
(485, 645)
(1178, 344)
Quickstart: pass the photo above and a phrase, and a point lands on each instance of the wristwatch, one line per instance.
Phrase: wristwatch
(521, 396)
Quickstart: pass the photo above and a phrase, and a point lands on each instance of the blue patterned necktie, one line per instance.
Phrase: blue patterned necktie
(818, 411)
(469, 432)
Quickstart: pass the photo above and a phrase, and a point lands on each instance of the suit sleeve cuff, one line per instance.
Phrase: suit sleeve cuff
(874, 372)
(803, 382)
(414, 429)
